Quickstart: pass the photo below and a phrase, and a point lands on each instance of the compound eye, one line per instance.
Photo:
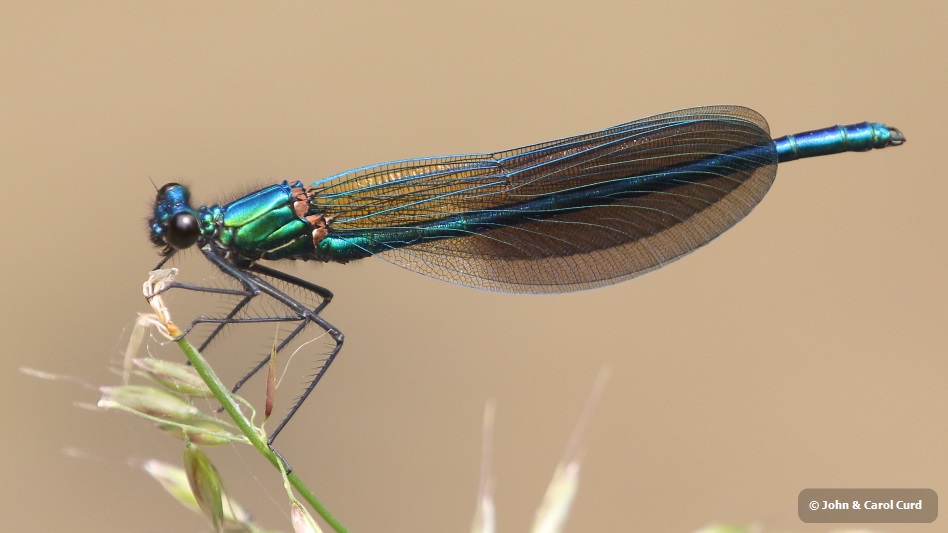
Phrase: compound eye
(183, 231)
(164, 188)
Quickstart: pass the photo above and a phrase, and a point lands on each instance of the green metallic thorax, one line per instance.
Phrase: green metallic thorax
(265, 225)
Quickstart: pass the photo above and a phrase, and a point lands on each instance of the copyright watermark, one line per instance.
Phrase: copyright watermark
(867, 505)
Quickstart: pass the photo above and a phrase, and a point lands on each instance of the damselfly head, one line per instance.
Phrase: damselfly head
(175, 224)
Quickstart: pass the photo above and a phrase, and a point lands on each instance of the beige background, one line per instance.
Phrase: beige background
(804, 348)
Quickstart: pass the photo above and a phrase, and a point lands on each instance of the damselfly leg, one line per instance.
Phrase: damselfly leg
(251, 280)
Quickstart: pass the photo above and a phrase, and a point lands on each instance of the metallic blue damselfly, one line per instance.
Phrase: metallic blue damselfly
(559, 216)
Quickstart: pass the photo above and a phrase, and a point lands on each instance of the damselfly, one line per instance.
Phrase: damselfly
(559, 216)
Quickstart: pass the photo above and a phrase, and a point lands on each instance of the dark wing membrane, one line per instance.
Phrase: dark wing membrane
(653, 190)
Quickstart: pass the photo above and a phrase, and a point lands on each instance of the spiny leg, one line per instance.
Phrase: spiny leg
(323, 293)
(247, 294)
(253, 286)
(254, 283)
